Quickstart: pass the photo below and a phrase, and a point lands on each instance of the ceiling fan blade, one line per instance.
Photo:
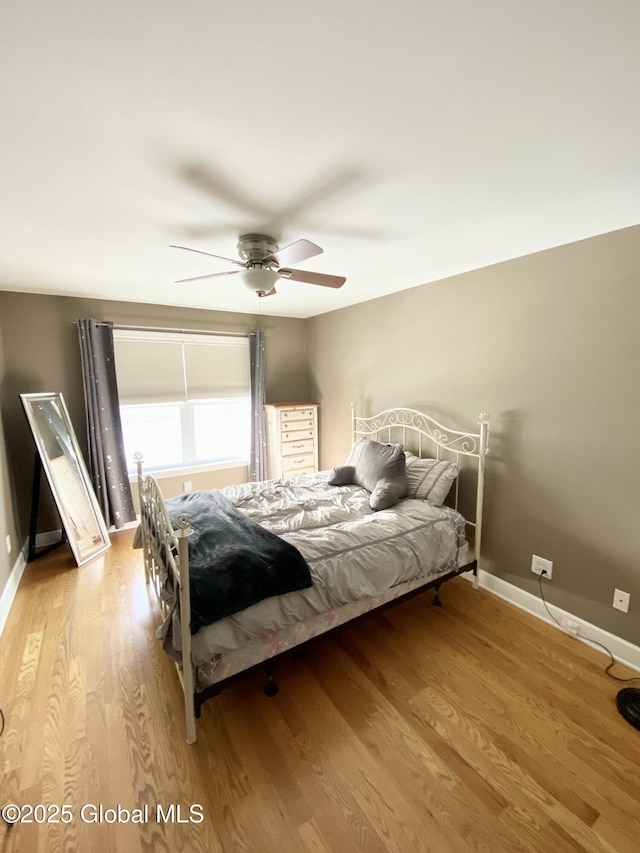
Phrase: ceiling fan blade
(208, 254)
(216, 183)
(314, 277)
(272, 292)
(325, 188)
(295, 252)
(211, 275)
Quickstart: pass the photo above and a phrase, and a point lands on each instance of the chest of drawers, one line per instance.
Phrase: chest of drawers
(292, 438)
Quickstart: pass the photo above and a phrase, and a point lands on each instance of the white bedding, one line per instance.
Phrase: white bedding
(353, 553)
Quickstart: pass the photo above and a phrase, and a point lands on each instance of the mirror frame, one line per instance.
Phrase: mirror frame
(68, 480)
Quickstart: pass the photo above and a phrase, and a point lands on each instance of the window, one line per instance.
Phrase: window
(184, 398)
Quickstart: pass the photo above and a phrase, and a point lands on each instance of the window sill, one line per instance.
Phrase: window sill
(165, 473)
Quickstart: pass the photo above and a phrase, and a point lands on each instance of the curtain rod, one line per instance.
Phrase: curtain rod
(119, 327)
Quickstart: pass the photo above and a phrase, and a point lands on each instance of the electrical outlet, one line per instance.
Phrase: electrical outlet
(9, 546)
(621, 600)
(540, 566)
(187, 486)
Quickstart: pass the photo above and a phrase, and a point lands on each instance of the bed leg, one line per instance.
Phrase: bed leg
(270, 687)
(436, 597)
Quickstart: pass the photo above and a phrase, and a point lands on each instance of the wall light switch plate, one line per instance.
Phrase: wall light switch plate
(621, 600)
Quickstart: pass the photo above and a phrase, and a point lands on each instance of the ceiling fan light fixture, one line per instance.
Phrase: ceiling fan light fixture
(262, 264)
(259, 279)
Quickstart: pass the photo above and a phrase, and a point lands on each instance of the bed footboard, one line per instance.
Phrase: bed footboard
(166, 563)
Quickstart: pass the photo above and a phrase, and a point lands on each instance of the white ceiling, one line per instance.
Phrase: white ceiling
(411, 140)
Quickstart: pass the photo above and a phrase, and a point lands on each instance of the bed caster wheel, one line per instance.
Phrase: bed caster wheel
(436, 601)
(270, 688)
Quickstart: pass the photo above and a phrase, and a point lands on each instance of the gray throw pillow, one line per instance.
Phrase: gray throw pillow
(341, 476)
(378, 468)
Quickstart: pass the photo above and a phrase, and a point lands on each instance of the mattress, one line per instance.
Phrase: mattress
(356, 557)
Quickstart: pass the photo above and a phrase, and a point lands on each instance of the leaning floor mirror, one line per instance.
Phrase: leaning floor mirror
(60, 456)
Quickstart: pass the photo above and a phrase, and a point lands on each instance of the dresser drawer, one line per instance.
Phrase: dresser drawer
(296, 472)
(288, 415)
(297, 464)
(297, 447)
(296, 425)
(297, 435)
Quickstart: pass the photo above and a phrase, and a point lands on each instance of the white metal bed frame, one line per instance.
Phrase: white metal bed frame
(165, 546)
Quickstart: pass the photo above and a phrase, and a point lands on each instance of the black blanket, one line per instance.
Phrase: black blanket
(233, 561)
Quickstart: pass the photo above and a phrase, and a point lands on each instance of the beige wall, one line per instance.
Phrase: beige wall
(549, 344)
(41, 353)
(8, 527)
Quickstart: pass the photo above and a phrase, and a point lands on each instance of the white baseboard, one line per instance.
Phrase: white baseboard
(10, 589)
(621, 650)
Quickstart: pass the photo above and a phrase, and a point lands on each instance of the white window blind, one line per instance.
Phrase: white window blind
(160, 367)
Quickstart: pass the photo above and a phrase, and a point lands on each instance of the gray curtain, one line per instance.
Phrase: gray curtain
(104, 429)
(258, 454)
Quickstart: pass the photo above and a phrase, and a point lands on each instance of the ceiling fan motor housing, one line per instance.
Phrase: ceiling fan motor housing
(254, 248)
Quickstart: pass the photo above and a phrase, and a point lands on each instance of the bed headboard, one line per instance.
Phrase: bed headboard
(426, 437)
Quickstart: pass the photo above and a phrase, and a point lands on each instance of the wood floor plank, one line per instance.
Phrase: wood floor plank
(590, 801)
(513, 733)
(312, 838)
(471, 727)
(557, 673)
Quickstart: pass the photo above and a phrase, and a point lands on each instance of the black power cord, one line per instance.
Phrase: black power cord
(587, 639)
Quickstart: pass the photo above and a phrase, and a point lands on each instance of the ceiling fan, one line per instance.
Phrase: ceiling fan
(263, 263)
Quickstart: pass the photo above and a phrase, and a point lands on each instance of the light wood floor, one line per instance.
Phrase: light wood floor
(470, 727)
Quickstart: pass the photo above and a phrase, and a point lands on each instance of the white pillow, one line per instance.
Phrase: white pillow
(429, 479)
